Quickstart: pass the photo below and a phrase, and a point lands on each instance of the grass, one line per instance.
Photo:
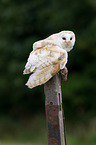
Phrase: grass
(33, 131)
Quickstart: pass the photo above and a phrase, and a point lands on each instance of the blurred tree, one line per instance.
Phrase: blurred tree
(24, 22)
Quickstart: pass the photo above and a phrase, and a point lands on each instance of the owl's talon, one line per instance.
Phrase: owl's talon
(64, 73)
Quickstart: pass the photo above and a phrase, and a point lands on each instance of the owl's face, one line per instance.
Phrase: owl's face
(64, 39)
(67, 40)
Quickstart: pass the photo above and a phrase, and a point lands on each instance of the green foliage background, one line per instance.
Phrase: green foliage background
(24, 22)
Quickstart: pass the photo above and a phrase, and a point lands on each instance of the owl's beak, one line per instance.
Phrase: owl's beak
(67, 43)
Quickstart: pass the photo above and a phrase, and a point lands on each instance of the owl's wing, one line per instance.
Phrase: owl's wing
(42, 43)
(44, 63)
(43, 75)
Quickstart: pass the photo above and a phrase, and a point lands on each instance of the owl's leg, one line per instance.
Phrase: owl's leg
(64, 73)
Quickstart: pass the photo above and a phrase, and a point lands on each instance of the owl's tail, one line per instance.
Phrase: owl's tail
(41, 76)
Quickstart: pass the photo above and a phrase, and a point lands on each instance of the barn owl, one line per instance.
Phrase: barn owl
(48, 57)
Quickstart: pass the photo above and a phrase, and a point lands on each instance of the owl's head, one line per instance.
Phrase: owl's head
(67, 40)
(64, 39)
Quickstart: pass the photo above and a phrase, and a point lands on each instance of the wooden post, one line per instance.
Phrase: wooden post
(54, 112)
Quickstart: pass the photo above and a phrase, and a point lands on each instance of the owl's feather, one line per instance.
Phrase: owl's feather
(43, 75)
(43, 43)
(44, 57)
(44, 63)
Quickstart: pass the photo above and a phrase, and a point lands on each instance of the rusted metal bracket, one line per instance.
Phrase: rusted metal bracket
(54, 112)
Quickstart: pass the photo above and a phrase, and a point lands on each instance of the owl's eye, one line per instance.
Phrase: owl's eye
(63, 38)
(71, 38)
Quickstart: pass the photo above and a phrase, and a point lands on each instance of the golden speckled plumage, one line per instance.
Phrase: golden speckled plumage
(46, 59)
